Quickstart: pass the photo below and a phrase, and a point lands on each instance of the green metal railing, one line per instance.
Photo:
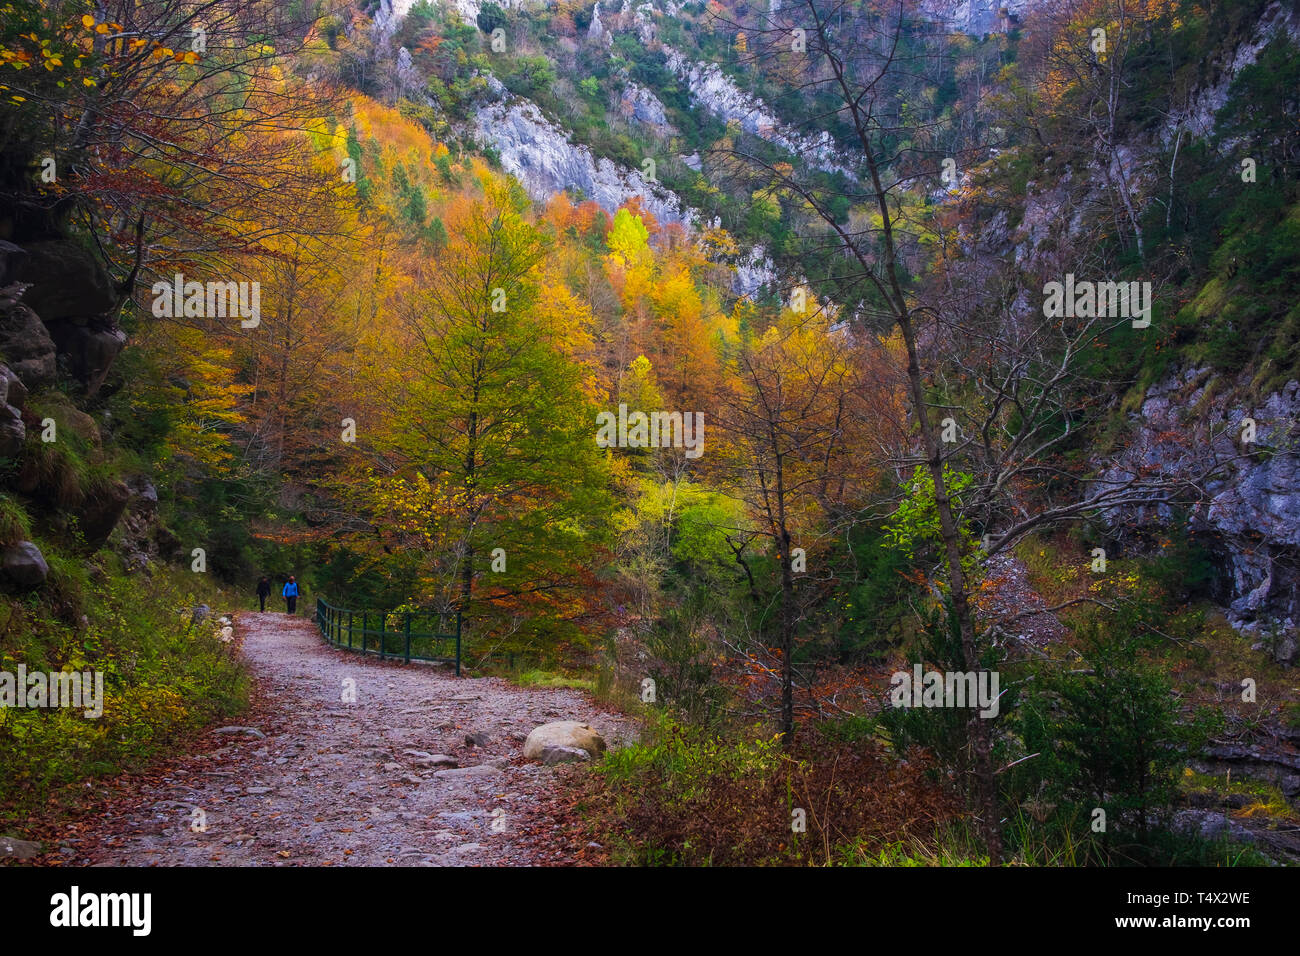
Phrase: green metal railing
(369, 633)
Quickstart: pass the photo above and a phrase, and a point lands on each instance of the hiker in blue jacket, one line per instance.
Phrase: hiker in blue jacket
(291, 593)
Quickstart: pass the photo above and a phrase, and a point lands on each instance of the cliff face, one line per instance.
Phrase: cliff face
(1249, 516)
(1189, 424)
(541, 156)
(715, 92)
(57, 328)
(976, 17)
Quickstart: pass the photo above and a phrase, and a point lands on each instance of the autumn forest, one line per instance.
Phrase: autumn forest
(870, 424)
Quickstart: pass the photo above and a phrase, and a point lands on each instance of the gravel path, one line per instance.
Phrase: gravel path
(1013, 603)
(316, 781)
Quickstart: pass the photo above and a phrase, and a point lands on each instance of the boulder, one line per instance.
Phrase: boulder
(99, 514)
(67, 280)
(570, 734)
(24, 341)
(24, 566)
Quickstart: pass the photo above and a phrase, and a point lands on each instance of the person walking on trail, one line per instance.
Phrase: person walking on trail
(264, 591)
(291, 593)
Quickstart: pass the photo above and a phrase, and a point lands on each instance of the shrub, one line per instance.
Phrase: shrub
(1107, 735)
(689, 796)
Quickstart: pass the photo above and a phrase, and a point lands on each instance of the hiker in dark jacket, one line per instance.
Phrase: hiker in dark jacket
(264, 590)
(291, 593)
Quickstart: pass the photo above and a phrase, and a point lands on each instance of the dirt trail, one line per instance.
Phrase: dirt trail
(334, 783)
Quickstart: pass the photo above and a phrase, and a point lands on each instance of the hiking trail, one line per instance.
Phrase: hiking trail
(311, 780)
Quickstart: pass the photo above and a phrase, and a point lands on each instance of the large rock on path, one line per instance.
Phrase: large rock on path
(562, 735)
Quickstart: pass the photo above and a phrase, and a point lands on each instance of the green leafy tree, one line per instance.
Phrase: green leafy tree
(495, 439)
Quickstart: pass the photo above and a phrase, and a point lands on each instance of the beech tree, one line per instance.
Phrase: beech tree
(489, 442)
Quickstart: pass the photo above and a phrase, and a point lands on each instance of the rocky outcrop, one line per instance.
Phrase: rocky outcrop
(1269, 764)
(67, 281)
(25, 343)
(144, 538)
(59, 313)
(641, 106)
(540, 155)
(12, 848)
(1197, 114)
(754, 273)
(713, 90)
(13, 432)
(1250, 512)
(596, 30)
(976, 17)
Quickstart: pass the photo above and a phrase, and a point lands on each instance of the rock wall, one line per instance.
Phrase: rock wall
(714, 91)
(1188, 425)
(540, 155)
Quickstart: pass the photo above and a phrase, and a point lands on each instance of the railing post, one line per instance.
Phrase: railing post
(349, 630)
(406, 627)
(457, 643)
(364, 624)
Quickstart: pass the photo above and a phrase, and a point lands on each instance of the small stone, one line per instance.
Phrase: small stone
(12, 848)
(479, 770)
(422, 759)
(555, 755)
(251, 731)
